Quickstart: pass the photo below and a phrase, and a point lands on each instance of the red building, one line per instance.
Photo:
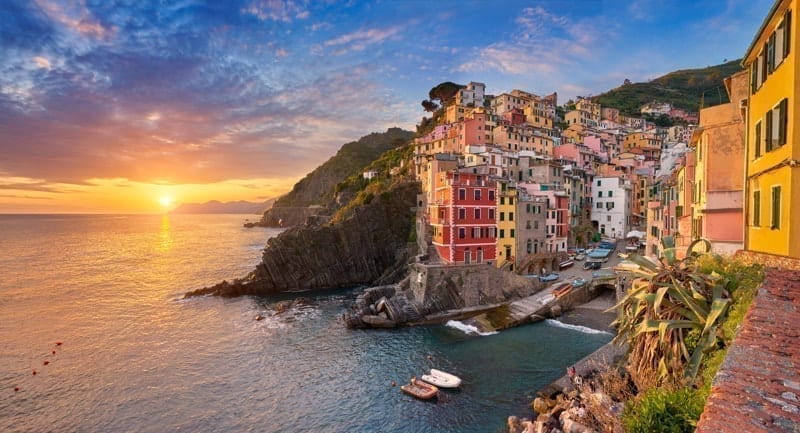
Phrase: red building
(463, 216)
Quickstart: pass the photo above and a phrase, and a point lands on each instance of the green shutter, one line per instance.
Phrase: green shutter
(757, 208)
(776, 207)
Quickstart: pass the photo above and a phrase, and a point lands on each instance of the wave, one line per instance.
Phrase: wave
(467, 329)
(578, 328)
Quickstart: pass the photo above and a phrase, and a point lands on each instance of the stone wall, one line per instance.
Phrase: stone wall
(447, 287)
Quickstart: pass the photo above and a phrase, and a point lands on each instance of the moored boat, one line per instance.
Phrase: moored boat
(442, 379)
(420, 389)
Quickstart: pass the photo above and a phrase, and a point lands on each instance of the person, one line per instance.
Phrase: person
(571, 371)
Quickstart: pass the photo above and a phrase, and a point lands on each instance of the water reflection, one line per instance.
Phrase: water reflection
(165, 236)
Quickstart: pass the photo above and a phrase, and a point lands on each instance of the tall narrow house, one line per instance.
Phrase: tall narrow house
(772, 169)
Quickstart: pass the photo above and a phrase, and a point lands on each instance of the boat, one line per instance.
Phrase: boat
(548, 278)
(566, 263)
(420, 389)
(442, 379)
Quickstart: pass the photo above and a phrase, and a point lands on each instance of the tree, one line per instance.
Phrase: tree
(444, 92)
(429, 106)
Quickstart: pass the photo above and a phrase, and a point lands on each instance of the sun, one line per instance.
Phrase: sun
(165, 201)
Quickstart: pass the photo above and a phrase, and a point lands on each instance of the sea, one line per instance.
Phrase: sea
(96, 337)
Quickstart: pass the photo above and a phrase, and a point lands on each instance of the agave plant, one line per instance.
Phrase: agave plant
(670, 315)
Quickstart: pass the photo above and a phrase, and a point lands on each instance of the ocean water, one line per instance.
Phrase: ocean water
(135, 357)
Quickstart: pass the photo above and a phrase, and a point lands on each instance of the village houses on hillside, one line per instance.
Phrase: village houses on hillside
(508, 182)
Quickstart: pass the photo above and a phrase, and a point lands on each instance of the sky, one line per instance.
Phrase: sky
(136, 106)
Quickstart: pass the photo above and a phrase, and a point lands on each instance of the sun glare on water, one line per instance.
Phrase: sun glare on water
(165, 201)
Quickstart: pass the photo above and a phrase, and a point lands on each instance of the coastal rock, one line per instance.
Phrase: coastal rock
(540, 405)
(378, 321)
(355, 251)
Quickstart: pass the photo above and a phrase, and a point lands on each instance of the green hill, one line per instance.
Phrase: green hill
(683, 88)
(317, 188)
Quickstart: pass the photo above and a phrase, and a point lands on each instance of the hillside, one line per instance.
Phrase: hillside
(317, 188)
(232, 207)
(682, 88)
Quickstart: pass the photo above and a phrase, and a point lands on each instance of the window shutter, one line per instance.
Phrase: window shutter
(757, 140)
(768, 132)
(784, 118)
(788, 33)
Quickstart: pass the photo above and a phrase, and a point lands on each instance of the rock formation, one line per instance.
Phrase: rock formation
(355, 251)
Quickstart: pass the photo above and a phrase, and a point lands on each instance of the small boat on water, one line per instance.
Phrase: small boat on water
(442, 379)
(420, 389)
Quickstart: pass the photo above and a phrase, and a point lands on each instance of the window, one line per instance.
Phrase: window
(462, 194)
(757, 140)
(462, 233)
(462, 213)
(608, 218)
(776, 124)
(511, 216)
(512, 233)
(599, 205)
(536, 225)
(771, 53)
(599, 193)
(502, 233)
(610, 205)
(477, 194)
(776, 208)
(476, 233)
(611, 193)
(491, 214)
(477, 214)
(491, 195)
(511, 200)
(757, 208)
(502, 216)
(598, 183)
(502, 200)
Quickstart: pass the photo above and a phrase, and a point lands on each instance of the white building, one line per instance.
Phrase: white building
(473, 94)
(611, 213)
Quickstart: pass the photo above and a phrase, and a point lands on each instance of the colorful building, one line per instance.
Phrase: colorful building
(772, 169)
(462, 216)
(719, 172)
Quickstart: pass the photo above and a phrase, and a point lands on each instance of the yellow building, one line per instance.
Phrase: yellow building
(773, 144)
(506, 224)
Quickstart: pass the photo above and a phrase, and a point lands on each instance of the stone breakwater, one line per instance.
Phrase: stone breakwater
(435, 293)
(369, 247)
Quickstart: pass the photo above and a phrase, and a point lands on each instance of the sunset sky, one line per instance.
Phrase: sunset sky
(111, 106)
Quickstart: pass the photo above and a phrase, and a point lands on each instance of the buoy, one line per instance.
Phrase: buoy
(394, 383)
(16, 389)
(34, 372)
(45, 362)
(58, 343)
(54, 351)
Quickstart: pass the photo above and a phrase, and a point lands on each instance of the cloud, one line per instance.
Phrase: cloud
(542, 43)
(361, 39)
(75, 17)
(276, 10)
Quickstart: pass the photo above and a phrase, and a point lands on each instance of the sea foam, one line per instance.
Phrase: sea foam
(467, 329)
(578, 328)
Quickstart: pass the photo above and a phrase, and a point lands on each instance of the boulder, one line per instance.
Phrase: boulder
(378, 322)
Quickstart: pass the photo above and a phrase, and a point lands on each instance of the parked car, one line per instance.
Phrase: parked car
(592, 265)
(580, 256)
(548, 278)
(578, 282)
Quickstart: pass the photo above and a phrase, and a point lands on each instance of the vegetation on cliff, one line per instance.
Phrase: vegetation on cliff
(683, 89)
(317, 187)
(678, 319)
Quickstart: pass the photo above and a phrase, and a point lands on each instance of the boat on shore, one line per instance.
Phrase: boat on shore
(420, 389)
(442, 379)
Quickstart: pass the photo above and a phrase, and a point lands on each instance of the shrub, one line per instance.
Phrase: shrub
(662, 411)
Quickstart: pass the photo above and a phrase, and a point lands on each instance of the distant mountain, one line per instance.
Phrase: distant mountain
(214, 206)
(317, 188)
(683, 89)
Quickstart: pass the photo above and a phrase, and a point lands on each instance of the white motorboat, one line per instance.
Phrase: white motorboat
(442, 379)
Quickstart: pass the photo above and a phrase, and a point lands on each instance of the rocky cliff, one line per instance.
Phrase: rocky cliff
(316, 193)
(372, 241)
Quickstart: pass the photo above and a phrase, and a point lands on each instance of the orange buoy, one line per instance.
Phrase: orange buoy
(16, 389)
(34, 372)
(54, 351)
(45, 362)
(58, 343)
